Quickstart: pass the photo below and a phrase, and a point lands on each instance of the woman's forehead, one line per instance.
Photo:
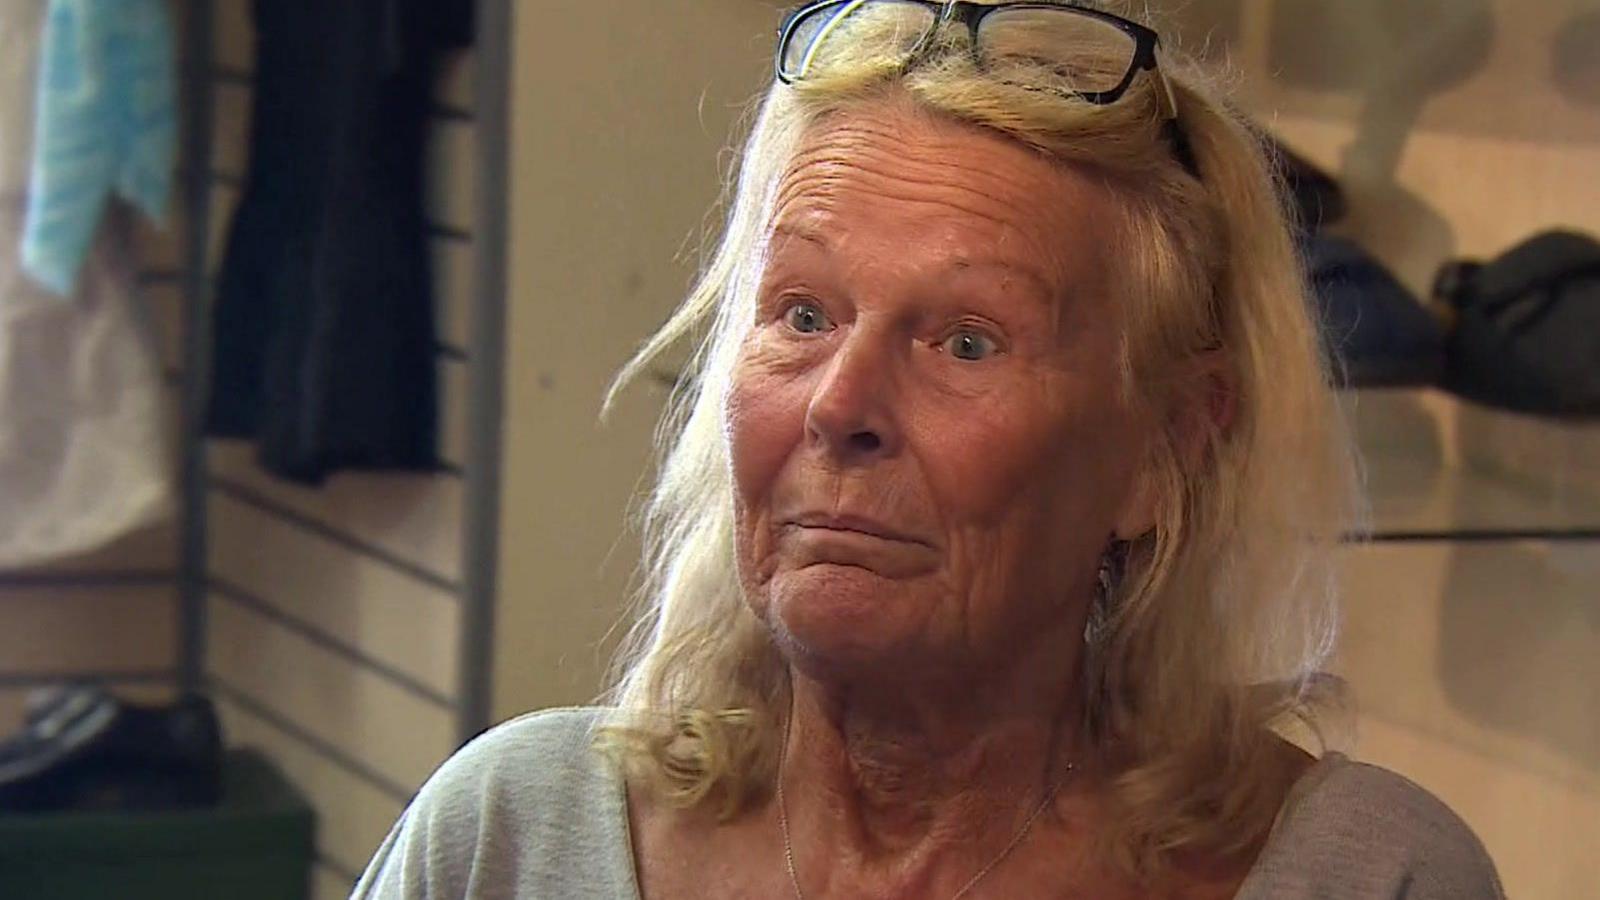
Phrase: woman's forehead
(886, 180)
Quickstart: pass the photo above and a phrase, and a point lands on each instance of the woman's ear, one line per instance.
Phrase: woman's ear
(1203, 407)
(1138, 515)
(1209, 404)
(1201, 412)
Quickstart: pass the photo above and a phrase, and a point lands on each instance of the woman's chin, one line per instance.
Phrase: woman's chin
(830, 616)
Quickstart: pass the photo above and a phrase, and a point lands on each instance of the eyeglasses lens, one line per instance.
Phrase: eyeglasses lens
(1055, 47)
(886, 28)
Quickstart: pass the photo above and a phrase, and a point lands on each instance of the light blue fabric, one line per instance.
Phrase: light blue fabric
(105, 121)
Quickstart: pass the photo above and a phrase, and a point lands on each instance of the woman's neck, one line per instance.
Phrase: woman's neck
(905, 790)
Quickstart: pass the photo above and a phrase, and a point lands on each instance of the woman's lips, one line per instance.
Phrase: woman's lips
(837, 544)
(854, 524)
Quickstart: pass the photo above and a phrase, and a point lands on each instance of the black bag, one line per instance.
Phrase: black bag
(1527, 329)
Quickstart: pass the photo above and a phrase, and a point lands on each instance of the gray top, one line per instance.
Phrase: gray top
(528, 810)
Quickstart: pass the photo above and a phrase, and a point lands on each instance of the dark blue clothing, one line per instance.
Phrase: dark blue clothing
(324, 328)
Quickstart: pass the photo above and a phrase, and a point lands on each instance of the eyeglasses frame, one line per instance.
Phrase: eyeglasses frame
(1146, 53)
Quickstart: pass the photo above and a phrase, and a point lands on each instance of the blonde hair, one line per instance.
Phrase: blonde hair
(1226, 613)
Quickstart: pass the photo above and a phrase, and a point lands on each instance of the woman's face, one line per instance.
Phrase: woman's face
(928, 444)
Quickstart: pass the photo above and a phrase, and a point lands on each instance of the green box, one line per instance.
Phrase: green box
(257, 844)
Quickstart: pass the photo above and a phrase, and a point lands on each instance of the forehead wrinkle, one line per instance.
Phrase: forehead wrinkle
(809, 193)
(948, 207)
(949, 168)
(806, 190)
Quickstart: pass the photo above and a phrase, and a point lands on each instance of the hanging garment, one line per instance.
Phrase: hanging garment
(105, 123)
(84, 454)
(324, 335)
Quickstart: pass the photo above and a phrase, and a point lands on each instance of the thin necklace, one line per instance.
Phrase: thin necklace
(788, 847)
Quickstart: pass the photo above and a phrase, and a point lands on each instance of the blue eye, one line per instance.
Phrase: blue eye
(969, 345)
(807, 318)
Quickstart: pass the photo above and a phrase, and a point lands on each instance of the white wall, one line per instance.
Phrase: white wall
(619, 111)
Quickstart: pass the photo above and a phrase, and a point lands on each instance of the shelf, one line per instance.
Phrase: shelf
(1438, 466)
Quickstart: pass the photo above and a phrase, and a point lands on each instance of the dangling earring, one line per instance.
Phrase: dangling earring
(1103, 578)
(1113, 562)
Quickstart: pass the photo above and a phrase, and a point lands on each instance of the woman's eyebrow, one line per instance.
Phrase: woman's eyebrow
(1041, 287)
(1044, 290)
(795, 230)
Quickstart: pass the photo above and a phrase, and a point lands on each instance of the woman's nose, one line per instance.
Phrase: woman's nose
(852, 411)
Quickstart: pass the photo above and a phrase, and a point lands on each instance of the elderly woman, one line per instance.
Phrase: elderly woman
(990, 551)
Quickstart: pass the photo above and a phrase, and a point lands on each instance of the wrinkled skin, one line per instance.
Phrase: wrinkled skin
(935, 348)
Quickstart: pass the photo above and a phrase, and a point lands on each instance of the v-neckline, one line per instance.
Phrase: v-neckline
(1314, 775)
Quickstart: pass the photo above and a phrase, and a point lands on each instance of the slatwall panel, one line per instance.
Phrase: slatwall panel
(109, 615)
(334, 615)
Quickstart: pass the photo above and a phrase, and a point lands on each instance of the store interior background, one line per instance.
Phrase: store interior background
(336, 619)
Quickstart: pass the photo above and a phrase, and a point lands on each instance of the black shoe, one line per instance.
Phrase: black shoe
(1526, 335)
(87, 750)
(48, 700)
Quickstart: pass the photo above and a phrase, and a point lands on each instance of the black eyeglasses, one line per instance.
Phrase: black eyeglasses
(1073, 50)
